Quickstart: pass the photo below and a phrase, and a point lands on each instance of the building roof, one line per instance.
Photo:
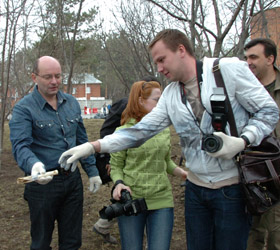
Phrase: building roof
(84, 78)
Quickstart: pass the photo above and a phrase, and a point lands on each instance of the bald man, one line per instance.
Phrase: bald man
(44, 124)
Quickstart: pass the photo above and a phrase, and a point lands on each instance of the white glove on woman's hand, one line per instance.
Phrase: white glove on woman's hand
(72, 155)
(37, 169)
(231, 146)
(94, 183)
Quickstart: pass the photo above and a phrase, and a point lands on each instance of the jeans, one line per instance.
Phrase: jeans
(159, 225)
(216, 219)
(61, 200)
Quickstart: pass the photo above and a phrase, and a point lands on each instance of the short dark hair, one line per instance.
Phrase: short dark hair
(172, 38)
(269, 46)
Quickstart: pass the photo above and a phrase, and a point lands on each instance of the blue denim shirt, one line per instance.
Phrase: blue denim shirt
(40, 133)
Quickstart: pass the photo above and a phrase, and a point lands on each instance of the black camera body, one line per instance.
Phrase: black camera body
(125, 206)
(210, 142)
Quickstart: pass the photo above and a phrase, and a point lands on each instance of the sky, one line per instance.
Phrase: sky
(104, 6)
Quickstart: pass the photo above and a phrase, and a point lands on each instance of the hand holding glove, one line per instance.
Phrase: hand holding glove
(94, 183)
(231, 146)
(71, 156)
(37, 169)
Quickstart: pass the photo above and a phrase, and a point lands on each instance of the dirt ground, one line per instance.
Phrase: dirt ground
(14, 214)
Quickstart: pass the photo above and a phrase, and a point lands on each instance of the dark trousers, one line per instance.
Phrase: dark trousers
(265, 230)
(216, 219)
(61, 200)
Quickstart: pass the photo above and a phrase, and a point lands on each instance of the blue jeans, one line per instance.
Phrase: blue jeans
(159, 225)
(216, 219)
(61, 200)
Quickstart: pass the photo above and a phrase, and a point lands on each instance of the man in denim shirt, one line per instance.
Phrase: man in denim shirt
(44, 124)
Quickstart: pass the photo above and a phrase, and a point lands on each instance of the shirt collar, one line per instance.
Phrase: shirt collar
(41, 100)
(277, 82)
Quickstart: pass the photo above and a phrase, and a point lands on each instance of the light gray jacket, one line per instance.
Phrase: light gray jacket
(246, 94)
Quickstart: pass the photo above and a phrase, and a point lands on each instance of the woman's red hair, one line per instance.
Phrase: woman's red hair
(134, 109)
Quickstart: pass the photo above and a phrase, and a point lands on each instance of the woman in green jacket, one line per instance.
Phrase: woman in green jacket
(143, 172)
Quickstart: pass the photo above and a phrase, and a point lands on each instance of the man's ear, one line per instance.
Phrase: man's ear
(182, 49)
(33, 77)
(270, 59)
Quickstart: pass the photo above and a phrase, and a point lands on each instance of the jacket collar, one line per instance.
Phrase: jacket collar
(277, 82)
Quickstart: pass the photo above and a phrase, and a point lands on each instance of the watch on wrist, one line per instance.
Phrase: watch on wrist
(245, 138)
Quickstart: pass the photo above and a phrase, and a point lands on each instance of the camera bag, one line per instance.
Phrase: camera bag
(258, 166)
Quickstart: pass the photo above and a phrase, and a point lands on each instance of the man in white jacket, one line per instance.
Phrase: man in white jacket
(215, 211)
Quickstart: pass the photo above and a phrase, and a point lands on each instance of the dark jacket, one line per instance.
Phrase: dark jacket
(276, 96)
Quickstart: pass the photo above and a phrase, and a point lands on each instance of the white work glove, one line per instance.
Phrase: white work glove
(94, 183)
(71, 156)
(66, 165)
(231, 146)
(37, 169)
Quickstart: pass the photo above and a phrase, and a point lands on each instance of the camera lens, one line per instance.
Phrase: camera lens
(212, 143)
(114, 210)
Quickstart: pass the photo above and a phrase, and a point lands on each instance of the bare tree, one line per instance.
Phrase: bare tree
(65, 30)
(199, 21)
(231, 17)
(12, 13)
(216, 28)
(126, 45)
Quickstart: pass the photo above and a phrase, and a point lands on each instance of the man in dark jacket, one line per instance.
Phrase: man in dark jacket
(112, 121)
(261, 55)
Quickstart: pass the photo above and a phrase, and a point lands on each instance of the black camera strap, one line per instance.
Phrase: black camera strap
(220, 83)
(199, 71)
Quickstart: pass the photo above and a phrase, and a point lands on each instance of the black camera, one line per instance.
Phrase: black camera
(125, 206)
(210, 142)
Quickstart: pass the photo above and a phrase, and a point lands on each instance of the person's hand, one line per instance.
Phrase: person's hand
(71, 156)
(94, 183)
(37, 169)
(108, 168)
(66, 165)
(118, 189)
(231, 146)
(180, 172)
